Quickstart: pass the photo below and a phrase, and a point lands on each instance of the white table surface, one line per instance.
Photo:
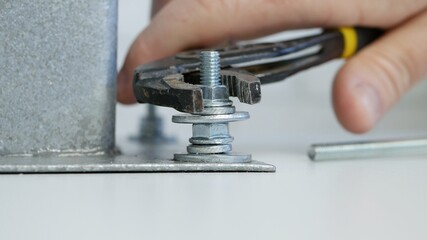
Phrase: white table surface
(360, 199)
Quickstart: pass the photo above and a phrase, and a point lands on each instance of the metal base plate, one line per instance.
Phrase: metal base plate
(136, 157)
(108, 164)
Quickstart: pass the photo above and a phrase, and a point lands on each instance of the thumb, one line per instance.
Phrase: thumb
(372, 81)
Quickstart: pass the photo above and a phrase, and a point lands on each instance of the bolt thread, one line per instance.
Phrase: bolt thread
(210, 68)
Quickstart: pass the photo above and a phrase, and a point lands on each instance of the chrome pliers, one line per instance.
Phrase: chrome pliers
(173, 82)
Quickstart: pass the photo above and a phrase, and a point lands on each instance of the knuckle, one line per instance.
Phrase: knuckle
(394, 70)
(207, 6)
(140, 50)
(220, 15)
(220, 7)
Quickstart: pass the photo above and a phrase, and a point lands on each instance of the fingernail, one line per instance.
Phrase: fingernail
(370, 100)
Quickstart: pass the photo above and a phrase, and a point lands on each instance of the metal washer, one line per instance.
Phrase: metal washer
(213, 158)
(205, 141)
(209, 149)
(218, 110)
(191, 119)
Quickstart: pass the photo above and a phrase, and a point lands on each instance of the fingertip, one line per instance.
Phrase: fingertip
(138, 54)
(356, 101)
(124, 88)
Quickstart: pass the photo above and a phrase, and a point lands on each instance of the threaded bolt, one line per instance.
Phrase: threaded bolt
(210, 68)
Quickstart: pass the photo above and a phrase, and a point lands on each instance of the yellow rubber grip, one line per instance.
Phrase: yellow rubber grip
(350, 41)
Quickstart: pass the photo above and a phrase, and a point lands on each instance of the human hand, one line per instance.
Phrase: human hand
(365, 87)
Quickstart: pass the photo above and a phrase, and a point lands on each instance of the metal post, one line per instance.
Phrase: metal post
(57, 76)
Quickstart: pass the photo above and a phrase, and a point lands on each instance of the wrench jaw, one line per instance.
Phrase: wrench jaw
(182, 92)
(170, 91)
(242, 84)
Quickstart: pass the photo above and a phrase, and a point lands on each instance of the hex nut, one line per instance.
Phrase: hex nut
(211, 130)
(215, 92)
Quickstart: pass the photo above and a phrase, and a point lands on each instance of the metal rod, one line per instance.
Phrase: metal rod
(368, 149)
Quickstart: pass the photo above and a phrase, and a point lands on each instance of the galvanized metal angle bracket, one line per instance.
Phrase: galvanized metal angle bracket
(118, 164)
